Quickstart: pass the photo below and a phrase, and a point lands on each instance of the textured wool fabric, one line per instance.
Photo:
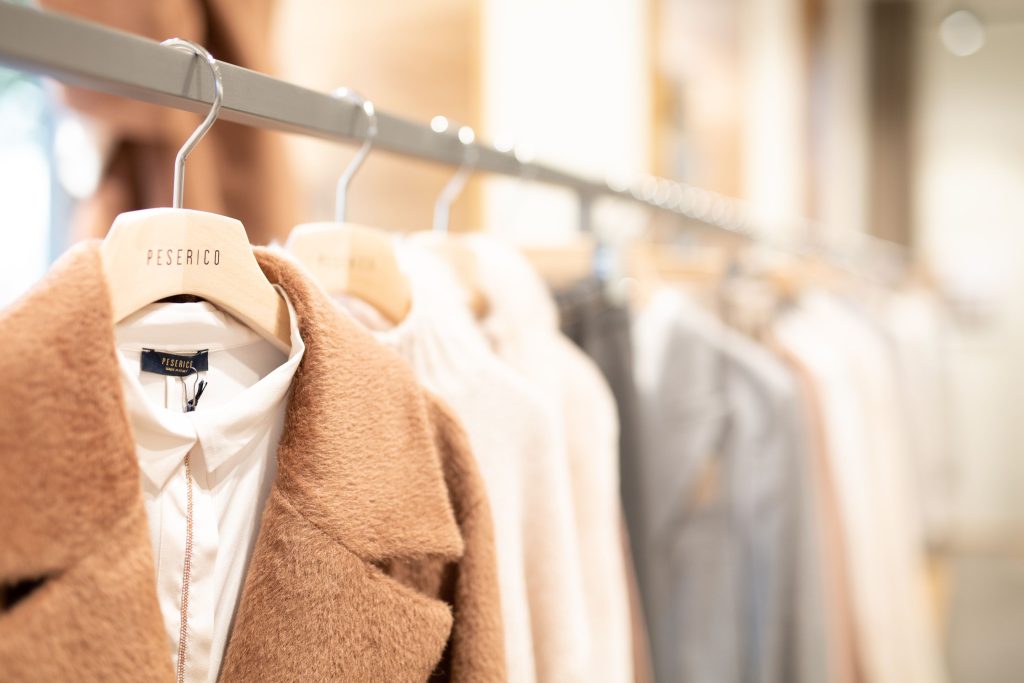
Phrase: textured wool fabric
(375, 557)
(522, 324)
(514, 443)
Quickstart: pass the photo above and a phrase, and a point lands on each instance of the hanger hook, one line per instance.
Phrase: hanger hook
(454, 187)
(341, 193)
(204, 127)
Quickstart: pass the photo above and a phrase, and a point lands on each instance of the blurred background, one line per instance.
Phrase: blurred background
(902, 119)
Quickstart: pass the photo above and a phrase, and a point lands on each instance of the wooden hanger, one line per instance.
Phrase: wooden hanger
(345, 258)
(154, 254)
(563, 264)
(701, 264)
(452, 249)
(698, 270)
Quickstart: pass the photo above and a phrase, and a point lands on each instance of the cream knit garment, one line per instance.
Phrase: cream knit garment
(854, 379)
(522, 324)
(523, 468)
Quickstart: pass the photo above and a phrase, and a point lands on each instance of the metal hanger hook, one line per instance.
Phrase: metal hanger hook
(454, 187)
(204, 127)
(341, 192)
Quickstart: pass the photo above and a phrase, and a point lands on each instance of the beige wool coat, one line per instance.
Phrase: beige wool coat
(375, 558)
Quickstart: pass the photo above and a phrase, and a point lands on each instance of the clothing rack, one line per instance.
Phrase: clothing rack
(96, 57)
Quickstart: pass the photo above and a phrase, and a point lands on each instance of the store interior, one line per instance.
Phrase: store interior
(885, 134)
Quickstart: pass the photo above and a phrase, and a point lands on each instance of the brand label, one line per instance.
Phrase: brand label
(350, 262)
(176, 365)
(183, 257)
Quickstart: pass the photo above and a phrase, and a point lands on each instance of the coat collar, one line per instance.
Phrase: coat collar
(358, 449)
(359, 481)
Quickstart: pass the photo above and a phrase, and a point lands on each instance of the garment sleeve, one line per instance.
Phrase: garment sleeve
(476, 648)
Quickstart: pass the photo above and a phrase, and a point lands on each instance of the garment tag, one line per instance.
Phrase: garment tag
(175, 365)
(192, 403)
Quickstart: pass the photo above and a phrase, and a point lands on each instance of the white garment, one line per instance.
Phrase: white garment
(513, 441)
(522, 324)
(868, 454)
(913, 320)
(232, 436)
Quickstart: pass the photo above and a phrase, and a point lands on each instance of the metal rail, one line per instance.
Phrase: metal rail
(99, 58)
(96, 57)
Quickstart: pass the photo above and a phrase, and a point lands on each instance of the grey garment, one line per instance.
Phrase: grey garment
(722, 490)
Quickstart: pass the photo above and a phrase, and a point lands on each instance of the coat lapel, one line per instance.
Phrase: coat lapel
(74, 526)
(359, 487)
(359, 491)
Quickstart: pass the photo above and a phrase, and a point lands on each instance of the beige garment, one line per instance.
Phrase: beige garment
(643, 669)
(375, 555)
(522, 324)
(915, 324)
(896, 633)
(514, 443)
(842, 658)
(238, 171)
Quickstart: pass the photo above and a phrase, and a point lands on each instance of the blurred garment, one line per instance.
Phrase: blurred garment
(238, 171)
(723, 490)
(838, 633)
(643, 666)
(603, 329)
(522, 324)
(514, 442)
(854, 380)
(913, 322)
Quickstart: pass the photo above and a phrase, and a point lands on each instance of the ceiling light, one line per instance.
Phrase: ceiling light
(962, 33)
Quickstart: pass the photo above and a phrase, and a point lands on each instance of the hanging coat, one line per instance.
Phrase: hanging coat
(375, 557)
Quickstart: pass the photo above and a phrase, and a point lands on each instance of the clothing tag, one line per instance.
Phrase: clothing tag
(192, 403)
(175, 365)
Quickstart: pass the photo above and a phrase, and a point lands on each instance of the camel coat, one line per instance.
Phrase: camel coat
(375, 558)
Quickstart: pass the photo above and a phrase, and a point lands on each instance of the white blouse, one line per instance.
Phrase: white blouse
(232, 437)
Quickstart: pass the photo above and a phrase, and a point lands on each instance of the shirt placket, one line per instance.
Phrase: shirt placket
(188, 552)
(198, 593)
